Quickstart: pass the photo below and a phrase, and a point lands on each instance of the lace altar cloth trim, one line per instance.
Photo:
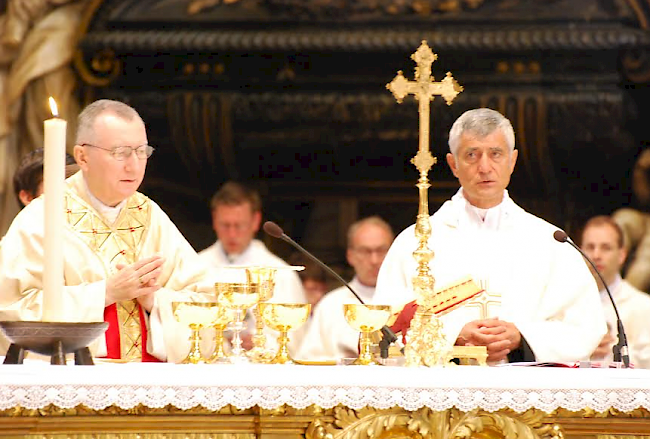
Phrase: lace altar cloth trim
(35, 386)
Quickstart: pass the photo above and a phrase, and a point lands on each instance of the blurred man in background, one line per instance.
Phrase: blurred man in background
(602, 241)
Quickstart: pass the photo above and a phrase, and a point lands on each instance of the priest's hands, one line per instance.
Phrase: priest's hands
(136, 281)
(605, 347)
(500, 337)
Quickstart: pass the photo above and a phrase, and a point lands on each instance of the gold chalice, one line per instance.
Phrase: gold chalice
(366, 319)
(264, 278)
(283, 317)
(238, 297)
(224, 316)
(196, 315)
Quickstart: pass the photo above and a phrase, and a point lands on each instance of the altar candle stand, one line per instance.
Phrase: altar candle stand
(52, 336)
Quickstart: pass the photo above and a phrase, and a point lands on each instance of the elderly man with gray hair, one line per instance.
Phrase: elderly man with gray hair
(540, 301)
(124, 260)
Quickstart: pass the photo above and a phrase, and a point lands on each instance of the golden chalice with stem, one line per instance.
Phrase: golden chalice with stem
(238, 297)
(283, 317)
(264, 279)
(224, 316)
(196, 315)
(366, 319)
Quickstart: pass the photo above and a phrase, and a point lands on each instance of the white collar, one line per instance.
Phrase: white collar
(477, 218)
(232, 258)
(365, 292)
(108, 212)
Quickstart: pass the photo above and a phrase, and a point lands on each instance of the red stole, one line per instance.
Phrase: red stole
(112, 335)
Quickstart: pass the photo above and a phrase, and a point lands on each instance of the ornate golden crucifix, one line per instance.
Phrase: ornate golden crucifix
(426, 342)
(424, 88)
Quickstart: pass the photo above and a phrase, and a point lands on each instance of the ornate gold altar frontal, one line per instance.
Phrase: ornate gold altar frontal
(426, 343)
(314, 422)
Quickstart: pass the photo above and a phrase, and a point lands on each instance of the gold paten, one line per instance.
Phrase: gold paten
(427, 326)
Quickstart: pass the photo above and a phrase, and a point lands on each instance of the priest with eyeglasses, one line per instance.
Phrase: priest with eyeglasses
(124, 260)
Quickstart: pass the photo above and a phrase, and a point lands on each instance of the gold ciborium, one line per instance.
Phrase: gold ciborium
(238, 297)
(366, 319)
(283, 317)
(196, 315)
(264, 279)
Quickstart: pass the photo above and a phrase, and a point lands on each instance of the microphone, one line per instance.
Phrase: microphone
(620, 350)
(276, 231)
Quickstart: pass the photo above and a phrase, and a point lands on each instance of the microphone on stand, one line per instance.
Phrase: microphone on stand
(620, 350)
(271, 228)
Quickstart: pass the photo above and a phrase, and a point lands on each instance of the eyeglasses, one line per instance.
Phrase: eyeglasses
(122, 153)
(367, 252)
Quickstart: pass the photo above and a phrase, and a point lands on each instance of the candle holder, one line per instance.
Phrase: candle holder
(55, 339)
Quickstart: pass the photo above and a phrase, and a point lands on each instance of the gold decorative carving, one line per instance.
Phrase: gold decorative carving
(145, 435)
(315, 422)
(391, 7)
(197, 6)
(428, 424)
(140, 410)
(426, 343)
(619, 436)
(104, 66)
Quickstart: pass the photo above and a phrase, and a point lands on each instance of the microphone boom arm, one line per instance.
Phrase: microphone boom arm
(388, 336)
(620, 350)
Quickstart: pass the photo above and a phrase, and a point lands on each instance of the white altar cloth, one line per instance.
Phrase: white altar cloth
(36, 385)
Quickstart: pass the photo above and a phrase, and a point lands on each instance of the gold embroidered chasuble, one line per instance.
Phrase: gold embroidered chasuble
(92, 250)
(117, 243)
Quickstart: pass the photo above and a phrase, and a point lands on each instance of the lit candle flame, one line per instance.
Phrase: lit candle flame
(53, 107)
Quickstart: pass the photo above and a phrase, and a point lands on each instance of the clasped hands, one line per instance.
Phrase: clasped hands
(498, 336)
(135, 281)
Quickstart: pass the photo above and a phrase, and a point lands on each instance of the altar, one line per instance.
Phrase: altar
(138, 400)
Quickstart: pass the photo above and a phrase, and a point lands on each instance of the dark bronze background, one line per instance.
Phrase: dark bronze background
(290, 96)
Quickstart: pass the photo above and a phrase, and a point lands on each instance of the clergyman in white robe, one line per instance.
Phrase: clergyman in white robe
(634, 308)
(96, 239)
(540, 285)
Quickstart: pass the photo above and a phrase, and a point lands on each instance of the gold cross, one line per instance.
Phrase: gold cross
(425, 89)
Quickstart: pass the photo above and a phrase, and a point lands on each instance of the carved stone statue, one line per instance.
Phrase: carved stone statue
(636, 225)
(37, 41)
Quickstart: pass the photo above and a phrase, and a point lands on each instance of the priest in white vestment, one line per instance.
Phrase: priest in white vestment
(329, 337)
(602, 240)
(236, 218)
(124, 260)
(541, 302)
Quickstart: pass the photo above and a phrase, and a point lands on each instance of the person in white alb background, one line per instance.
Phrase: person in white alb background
(236, 219)
(602, 241)
(329, 337)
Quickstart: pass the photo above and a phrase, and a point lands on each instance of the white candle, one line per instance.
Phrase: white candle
(53, 187)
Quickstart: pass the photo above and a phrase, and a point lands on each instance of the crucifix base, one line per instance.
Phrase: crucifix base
(465, 354)
(55, 339)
